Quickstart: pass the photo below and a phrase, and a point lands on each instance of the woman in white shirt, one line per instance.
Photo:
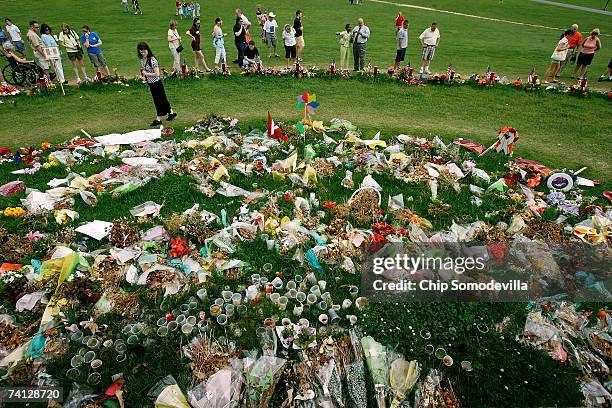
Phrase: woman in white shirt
(174, 42)
(289, 40)
(557, 56)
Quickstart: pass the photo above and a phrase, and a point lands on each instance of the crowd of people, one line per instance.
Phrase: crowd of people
(571, 49)
(44, 44)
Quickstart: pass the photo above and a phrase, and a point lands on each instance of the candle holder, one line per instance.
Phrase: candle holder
(300, 297)
(94, 378)
(202, 294)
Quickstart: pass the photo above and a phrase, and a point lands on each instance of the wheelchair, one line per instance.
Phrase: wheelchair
(23, 74)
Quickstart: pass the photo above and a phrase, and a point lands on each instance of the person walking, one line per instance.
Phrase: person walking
(219, 43)
(37, 46)
(70, 41)
(299, 34)
(136, 6)
(49, 40)
(270, 28)
(557, 56)
(290, 43)
(590, 46)
(401, 43)
(430, 39)
(240, 40)
(360, 36)
(14, 34)
(345, 42)
(93, 43)
(574, 42)
(174, 44)
(149, 69)
(194, 33)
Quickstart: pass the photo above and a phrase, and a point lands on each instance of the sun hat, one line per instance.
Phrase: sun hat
(270, 14)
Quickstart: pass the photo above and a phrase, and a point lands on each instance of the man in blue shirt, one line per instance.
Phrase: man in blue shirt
(92, 42)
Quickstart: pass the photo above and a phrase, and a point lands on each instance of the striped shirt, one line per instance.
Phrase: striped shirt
(149, 68)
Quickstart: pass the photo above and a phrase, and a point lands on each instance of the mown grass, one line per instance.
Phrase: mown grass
(469, 44)
(552, 126)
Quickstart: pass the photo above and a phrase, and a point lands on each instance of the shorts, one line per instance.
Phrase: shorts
(584, 59)
(290, 51)
(299, 41)
(400, 55)
(75, 55)
(555, 61)
(195, 47)
(271, 39)
(97, 60)
(44, 63)
(429, 52)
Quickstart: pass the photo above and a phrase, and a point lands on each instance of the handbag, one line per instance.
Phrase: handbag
(180, 48)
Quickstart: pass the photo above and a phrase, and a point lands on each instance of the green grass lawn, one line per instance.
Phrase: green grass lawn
(552, 126)
(469, 44)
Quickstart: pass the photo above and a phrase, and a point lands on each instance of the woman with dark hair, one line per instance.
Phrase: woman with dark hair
(194, 33)
(150, 73)
(49, 40)
(240, 40)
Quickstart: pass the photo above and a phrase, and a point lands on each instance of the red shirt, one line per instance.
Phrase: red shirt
(399, 20)
(574, 40)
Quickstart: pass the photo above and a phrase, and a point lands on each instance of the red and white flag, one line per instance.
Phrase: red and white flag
(274, 131)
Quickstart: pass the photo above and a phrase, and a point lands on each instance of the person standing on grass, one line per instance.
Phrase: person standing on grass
(93, 43)
(590, 46)
(37, 46)
(607, 75)
(299, 34)
(251, 55)
(149, 69)
(194, 33)
(430, 39)
(360, 36)
(174, 41)
(177, 5)
(270, 28)
(290, 44)
(180, 11)
(574, 42)
(240, 40)
(70, 41)
(219, 43)
(197, 8)
(49, 40)
(186, 10)
(14, 34)
(125, 6)
(402, 44)
(557, 56)
(345, 42)
(136, 5)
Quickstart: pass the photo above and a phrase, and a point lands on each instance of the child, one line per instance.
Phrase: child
(219, 43)
(197, 9)
(289, 40)
(179, 7)
(270, 28)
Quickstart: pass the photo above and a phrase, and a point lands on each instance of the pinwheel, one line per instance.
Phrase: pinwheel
(308, 103)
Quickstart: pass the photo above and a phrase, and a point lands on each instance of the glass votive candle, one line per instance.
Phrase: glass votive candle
(242, 310)
(291, 285)
(94, 378)
(202, 294)
(255, 278)
(300, 297)
(315, 290)
(236, 299)
(95, 364)
(173, 326)
(298, 310)
(222, 320)
(187, 329)
(282, 302)
(215, 310)
(298, 279)
(311, 298)
(229, 310)
(162, 331)
(89, 357)
(191, 320)
(274, 297)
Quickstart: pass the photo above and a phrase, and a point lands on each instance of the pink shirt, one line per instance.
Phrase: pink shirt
(589, 45)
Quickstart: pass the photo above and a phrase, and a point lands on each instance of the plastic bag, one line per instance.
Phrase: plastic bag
(402, 377)
(167, 394)
(262, 378)
(79, 395)
(12, 187)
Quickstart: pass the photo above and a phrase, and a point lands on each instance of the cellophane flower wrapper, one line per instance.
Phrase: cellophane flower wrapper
(331, 385)
(355, 382)
(402, 377)
(221, 390)
(261, 380)
(376, 358)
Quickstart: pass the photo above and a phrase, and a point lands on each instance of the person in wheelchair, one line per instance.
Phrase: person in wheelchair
(20, 71)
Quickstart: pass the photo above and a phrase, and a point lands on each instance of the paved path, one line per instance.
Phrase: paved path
(574, 6)
(499, 20)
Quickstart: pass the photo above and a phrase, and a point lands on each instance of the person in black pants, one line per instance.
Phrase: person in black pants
(240, 40)
(149, 72)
